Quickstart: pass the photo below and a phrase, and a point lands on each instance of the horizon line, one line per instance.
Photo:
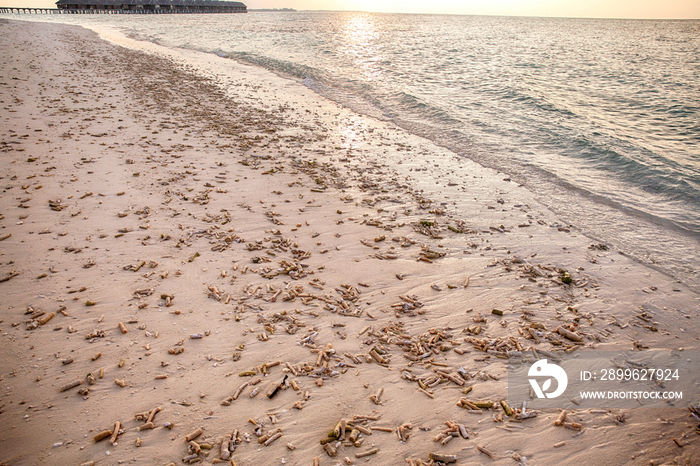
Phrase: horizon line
(293, 10)
(500, 15)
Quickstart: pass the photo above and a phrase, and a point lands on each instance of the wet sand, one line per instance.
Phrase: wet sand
(239, 256)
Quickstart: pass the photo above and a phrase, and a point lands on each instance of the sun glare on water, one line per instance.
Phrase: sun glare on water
(362, 43)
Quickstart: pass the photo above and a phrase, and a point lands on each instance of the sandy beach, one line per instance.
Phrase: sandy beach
(197, 253)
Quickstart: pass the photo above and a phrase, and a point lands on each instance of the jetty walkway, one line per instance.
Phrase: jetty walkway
(90, 11)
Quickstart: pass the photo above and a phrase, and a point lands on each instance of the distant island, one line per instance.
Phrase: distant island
(273, 9)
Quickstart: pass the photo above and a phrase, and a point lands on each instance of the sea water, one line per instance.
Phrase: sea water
(599, 117)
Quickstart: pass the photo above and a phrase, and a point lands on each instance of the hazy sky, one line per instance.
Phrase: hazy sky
(661, 9)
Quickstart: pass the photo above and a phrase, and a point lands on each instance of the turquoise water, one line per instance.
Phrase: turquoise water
(600, 118)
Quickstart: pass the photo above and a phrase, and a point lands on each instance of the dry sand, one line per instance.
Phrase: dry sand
(261, 234)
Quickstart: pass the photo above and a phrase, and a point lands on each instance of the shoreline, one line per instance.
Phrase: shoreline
(559, 196)
(278, 226)
(647, 237)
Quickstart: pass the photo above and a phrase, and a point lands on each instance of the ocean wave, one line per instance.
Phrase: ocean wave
(281, 67)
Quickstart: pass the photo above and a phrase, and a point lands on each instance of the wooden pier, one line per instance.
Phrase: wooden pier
(86, 11)
(37, 11)
(113, 7)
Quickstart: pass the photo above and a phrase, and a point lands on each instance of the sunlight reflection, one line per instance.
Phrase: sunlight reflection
(360, 28)
(363, 43)
(352, 134)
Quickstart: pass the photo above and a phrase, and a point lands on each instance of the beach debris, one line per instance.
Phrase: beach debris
(377, 397)
(142, 293)
(427, 228)
(485, 451)
(565, 277)
(506, 408)
(429, 255)
(402, 432)
(442, 458)
(276, 387)
(228, 445)
(498, 347)
(370, 452)
(102, 435)
(272, 438)
(146, 426)
(560, 419)
(475, 405)
(409, 305)
(95, 334)
(694, 411)
(573, 336)
(192, 458)
(9, 276)
(330, 449)
(573, 425)
(194, 434)
(70, 385)
(168, 298)
(239, 390)
(115, 433)
(45, 318)
(148, 417)
(350, 433)
(453, 430)
(57, 205)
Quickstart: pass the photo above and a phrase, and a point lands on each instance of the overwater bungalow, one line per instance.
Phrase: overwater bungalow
(152, 6)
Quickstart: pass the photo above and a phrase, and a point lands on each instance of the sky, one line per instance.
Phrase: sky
(653, 9)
